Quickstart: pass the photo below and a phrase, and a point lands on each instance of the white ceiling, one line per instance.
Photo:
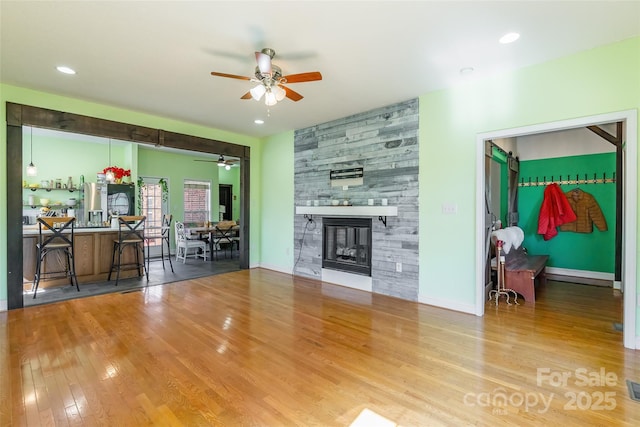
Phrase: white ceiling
(156, 57)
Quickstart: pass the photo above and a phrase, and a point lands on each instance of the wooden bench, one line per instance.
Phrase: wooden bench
(521, 271)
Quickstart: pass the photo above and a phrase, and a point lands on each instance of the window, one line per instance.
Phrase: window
(197, 196)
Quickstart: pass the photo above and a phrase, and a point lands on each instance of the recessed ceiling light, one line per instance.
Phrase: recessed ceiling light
(258, 121)
(509, 38)
(466, 70)
(65, 70)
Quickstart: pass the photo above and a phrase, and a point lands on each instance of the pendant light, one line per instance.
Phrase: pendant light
(109, 176)
(31, 169)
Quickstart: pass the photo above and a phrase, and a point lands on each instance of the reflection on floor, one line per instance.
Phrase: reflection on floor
(193, 268)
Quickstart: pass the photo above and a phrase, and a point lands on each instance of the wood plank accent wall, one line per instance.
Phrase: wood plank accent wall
(385, 143)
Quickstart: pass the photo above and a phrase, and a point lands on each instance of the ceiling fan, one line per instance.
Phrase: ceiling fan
(220, 162)
(271, 81)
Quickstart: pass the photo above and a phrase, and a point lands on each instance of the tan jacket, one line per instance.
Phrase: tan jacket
(587, 210)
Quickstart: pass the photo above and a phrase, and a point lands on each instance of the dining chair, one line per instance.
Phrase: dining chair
(224, 235)
(184, 244)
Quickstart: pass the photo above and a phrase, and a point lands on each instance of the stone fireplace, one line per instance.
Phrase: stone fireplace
(381, 147)
(346, 245)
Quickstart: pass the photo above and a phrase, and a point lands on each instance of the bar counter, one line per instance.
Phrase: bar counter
(92, 252)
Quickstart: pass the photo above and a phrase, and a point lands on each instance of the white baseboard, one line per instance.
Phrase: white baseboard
(580, 273)
(448, 304)
(617, 284)
(637, 343)
(274, 267)
(3, 305)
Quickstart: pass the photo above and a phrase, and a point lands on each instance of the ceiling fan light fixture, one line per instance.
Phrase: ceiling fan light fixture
(228, 167)
(258, 91)
(270, 78)
(221, 161)
(270, 99)
(280, 93)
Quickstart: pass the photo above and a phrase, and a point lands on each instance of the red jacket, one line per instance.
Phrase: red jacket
(555, 211)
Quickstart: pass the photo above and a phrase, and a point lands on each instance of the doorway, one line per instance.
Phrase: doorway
(226, 201)
(19, 115)
(154, 204)
(629, 212)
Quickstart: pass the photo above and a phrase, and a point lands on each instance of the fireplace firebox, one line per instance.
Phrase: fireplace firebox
(347, 245)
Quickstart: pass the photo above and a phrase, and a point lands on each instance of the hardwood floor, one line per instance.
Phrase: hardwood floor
(256, 347)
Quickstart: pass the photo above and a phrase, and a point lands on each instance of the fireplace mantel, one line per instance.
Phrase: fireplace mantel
(348, 210)
(382, 212)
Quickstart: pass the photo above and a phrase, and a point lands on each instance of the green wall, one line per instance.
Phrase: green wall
(276, 190)
(580, 251)
(63, 157)
(596, 81)
(176, 168)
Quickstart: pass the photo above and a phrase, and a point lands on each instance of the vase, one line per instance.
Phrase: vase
(118, 180)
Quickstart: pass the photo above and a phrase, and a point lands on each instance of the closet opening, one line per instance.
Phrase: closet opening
(621, 159)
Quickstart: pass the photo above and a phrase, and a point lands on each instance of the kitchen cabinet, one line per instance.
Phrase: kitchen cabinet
(92, 252)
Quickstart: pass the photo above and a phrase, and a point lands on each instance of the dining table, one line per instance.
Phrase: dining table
(216, 235)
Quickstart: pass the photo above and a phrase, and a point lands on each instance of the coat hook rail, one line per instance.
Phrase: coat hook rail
(530, 182)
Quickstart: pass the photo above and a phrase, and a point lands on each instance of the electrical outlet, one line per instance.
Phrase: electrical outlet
(398, 267)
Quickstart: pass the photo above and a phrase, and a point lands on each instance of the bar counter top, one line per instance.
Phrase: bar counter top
(93, 249)
(32, 230)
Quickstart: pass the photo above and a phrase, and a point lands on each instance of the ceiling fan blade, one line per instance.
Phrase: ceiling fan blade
(264, 63)
(303, 77)
(246, 96)
(232, 76)
(292, 95)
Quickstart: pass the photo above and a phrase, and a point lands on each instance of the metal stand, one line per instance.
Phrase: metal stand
(500, 288)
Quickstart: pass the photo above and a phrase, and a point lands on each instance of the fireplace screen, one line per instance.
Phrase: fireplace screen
(347, 245)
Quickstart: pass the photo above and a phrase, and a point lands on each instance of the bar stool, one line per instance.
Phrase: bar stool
(166, 238)
(57, 236)
(130, 234)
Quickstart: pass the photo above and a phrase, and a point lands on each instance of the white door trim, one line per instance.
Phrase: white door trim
(630, 205)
